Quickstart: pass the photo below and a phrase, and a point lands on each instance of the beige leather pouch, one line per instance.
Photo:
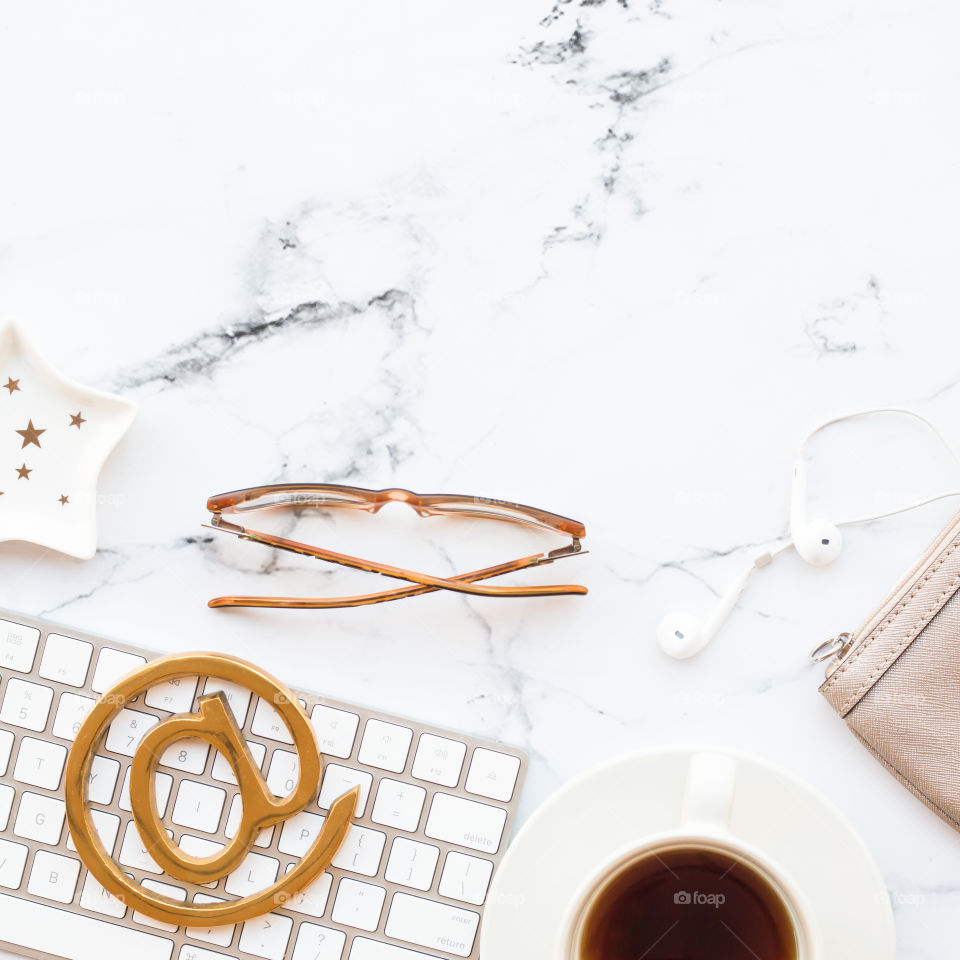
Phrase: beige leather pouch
(896, 681)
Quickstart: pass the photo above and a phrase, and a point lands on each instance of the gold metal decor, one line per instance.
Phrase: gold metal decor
(215, 724)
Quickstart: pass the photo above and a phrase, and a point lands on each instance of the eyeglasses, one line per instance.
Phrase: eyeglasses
(334, 496)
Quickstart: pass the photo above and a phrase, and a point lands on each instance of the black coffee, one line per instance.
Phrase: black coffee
(688, 903)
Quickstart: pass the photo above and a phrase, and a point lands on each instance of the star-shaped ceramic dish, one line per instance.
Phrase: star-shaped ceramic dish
(55, 436)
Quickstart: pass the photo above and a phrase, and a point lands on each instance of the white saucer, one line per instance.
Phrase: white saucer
(54, 437)
(606, 809)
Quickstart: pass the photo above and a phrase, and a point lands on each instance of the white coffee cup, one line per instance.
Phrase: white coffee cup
(705, 823)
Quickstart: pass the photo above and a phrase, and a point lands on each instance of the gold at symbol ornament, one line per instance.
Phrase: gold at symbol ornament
(213, 723)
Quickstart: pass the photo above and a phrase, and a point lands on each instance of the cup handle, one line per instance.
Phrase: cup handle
(708, 795)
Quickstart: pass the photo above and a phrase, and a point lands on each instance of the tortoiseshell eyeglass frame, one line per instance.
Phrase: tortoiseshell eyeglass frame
(336, 496)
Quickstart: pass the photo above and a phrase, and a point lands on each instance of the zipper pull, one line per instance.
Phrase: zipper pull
(834, 648)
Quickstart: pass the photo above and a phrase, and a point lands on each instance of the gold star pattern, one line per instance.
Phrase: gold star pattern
(64, 500)
(76, 419)
(23, 473)
(30, 435)
(12, 385)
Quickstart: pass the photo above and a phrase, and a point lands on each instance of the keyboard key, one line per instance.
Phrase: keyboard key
(40, 818)
(336, 730)
(298, 833)
(18, 645)
(465, 878)
(175, 893)
(385, 745)
(237, 697)
(492, 774)
(361, 851)
(6, 804)
(266, 936)
(200, 847)
(268, 723)
(312, 899)
(363, 949)
(94, 897)
(199, 806)
(40, 763)
(412, 864)
(262, 839)
(71, 712)
(254, 874)
(111, 666)
(164, 784)
(337, 780)
(358, 904)
(439, 760)
(107, 826)
(102, 779)
(53, 877)
(6, 744)
(189, 952)
(65, 659)
(427, 923)
(284, 772)
(398, 804)
(224, 772)
(222, 936)
(188, 755)
(127, 729)
(47, 929)
(134, 854)
(173, 695)
(318, 943)
(12, 858)
(26, 705)
(465, 822)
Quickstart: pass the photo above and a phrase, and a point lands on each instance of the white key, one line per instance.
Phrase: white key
(427, 923)
(111, 666)
(312, 899)
(363, 949)
(173, 695)
(53, 877)
(200, 847)
(47, 929)
(224, 772)
(221, 936)
(263, 838)
(164, 784)
(465, 822)
(127, 729)
(318, 943)
(94, 897)
(439, 760)
(237, 697)
(358, 904)
(492, 774)
(268, 723)
(6, 744)
(39, 818)
(338, 780)
(412, 864)
(102, 779)
(385, 745)
(189, 755)
(190, 952)
(465, 878)
(12, 858)
(6, 803)
(71, 712)
(398, 804)
(266, 936)
(65, 659)
(134, 854)
(199, 806)
(107, 826)
(175, 893)
(299, 832)
(26, 705)
(361, 851)
(255, 873)
(40, 763)
(18, 645)
(283, 773)
(336, 730)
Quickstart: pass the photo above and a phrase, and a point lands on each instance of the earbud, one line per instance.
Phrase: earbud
(818, 541)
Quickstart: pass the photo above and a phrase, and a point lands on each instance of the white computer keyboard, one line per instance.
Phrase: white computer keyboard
(410, 881)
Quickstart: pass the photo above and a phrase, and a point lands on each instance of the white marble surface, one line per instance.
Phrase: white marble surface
(612, 258)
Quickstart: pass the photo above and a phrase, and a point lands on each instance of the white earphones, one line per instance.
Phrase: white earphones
(818, 542)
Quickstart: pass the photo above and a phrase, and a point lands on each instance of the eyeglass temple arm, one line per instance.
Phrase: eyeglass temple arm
(440, 583)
